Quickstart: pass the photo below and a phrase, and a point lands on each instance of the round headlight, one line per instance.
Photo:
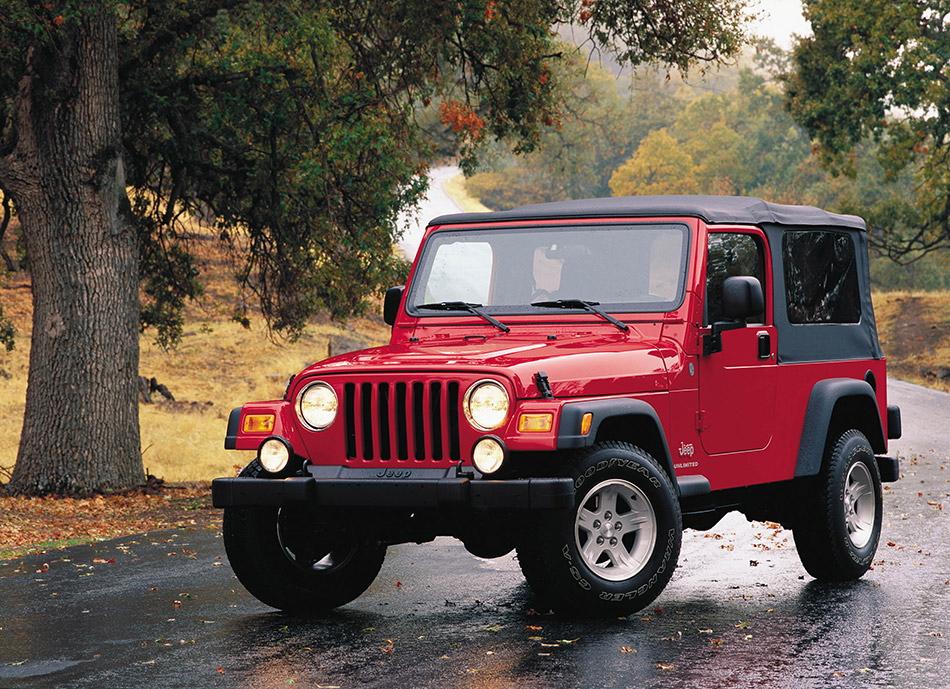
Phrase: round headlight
(317, 406)
(273, 455)
(486, 405)
(488, 455)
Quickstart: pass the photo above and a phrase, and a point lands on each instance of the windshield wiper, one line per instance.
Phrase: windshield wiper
(464, 306)
(592, 306)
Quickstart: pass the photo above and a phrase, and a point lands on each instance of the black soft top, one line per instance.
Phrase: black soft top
(711, 209)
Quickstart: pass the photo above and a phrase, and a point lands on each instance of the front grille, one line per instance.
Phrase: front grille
(406, 420)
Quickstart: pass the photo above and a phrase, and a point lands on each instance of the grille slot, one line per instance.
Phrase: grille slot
(403, 421)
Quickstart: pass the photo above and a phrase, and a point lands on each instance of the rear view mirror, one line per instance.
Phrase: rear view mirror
(391, 304)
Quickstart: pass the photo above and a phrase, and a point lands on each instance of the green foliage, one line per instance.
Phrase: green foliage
(729, 135)
(659, 166)
(929, 273)
(676, 34)
(296, 126)
(169, 277)
(739, 141)
(875, 73)
(600, 127)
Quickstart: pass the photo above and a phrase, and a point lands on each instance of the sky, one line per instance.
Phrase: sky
(781, 19)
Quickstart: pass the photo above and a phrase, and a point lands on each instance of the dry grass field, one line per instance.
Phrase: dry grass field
(914, 329)
(218, 365)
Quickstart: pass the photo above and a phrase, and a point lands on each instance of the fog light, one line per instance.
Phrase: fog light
(535, 423)
(274, 454)
(488, 455)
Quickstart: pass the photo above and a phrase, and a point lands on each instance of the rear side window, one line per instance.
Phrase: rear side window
(821, 278)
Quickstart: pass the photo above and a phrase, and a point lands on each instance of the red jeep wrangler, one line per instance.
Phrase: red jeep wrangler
(580, 381)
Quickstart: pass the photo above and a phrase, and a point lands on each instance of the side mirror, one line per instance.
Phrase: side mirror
(741, 297)
(391, 304)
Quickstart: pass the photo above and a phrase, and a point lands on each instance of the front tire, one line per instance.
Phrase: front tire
(616, 549)
(297, 560)
(839, 523)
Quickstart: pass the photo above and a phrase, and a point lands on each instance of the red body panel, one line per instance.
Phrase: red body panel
(735, 417)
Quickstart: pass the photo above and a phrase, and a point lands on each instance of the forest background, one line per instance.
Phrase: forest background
(649, 131)
(616, 132)
(730, 132)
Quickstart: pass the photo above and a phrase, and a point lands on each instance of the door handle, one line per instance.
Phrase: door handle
(765, 346)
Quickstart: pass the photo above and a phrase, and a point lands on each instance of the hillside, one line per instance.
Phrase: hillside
(219, 365)
(914, 329)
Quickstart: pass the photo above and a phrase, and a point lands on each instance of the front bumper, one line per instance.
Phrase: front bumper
(416, 493)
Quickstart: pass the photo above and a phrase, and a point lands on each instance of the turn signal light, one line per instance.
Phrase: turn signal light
(586, 421)
(536, 423)
(259, 423)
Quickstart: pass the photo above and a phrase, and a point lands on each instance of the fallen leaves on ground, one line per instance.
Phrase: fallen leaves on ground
(37, 524)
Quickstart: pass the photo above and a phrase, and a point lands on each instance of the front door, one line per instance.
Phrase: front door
(738, 384)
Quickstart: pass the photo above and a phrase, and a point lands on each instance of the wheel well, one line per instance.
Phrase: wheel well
(639, 430)
(857, 412)
(834, 406)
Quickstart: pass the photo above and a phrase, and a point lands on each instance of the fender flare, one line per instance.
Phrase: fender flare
(569, 435)
(822, 401)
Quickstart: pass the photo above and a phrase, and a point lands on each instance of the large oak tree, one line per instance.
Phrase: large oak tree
(291, 124)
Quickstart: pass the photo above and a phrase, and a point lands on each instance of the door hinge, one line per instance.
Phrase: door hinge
(702, 420)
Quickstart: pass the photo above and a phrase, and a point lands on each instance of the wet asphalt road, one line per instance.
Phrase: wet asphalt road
(740, 611)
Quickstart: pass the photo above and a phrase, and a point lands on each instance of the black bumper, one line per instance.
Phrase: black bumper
(521, 494)
(889, 468)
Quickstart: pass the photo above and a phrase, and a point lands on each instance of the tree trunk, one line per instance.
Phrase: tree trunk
(80, 425)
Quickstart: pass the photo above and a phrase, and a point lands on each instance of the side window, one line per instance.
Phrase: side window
(821, 277)
(731, 254)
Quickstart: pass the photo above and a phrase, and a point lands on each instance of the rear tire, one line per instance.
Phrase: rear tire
(839, 521)
(616, 549)
(297, 560)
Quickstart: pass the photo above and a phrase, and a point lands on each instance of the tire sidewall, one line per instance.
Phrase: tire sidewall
(268, 573)
(851, 449)
(578, 580)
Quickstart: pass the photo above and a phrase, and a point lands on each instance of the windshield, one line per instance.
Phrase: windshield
(625, 268)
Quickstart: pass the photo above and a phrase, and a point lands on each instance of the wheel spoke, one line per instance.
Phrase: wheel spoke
(607, 503)
(621, 558)
(858, 491)
(592, 551)
(632, 521)
(586, 520)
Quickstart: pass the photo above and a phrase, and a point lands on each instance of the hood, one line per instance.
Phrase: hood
(600, 362)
